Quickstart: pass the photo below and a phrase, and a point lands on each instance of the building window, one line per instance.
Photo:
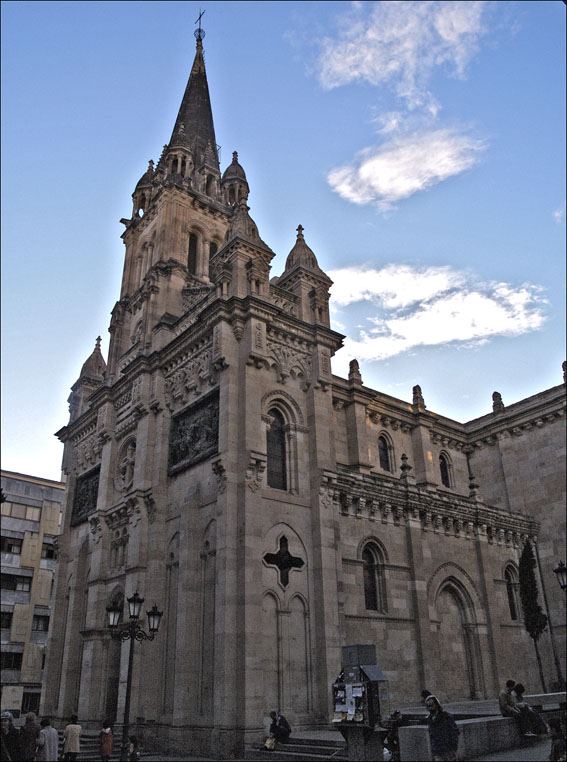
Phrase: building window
(445, 469)
(512, 590)
(277, 471)
(21, 511)
(10, 660)
(384, 454)
(374, 581)
(47, 550)
(30, 702)
(12, 582)
(11, 545)
(40, 623)
(192, 254)
(6, 620)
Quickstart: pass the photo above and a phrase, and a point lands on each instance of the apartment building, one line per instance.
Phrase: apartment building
(31, 517)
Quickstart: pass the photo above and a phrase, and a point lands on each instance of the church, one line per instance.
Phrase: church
(273, 511)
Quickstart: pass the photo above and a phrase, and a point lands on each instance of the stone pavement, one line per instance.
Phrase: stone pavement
(536, 752)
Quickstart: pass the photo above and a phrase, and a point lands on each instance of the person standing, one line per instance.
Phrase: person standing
(29, 736)
(106, 741)
(48, 742)
(443, 731)
(11, 748)
(72, 735)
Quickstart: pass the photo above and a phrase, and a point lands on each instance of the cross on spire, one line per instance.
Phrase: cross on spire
(300, 230)
(199, 32)
(284, 561)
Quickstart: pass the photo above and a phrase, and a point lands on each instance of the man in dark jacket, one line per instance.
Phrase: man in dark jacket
(443, 732)
(11, 748)
(280, 727)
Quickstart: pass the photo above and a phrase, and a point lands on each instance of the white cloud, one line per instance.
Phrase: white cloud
(393, 286)
(426, 306)
(401, 167)
(559, 214)
(400, 44)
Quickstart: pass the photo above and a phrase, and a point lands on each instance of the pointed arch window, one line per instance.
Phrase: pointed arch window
(276, 451)
(374, 579)
(192, 254)
(512, 591)
(384, 453)
(445, 470)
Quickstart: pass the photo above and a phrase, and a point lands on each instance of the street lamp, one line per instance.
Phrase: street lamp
(561, 571)
(132, 631)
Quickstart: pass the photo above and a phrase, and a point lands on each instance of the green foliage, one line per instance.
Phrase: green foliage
(535, 621)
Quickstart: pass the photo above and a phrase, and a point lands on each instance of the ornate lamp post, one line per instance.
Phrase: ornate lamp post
(561, 572)
(132, 631)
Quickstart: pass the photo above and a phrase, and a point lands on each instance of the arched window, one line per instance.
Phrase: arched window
(512, 587)
(213, 248)
(384, 454)
(277, 471)
(192, 255)
(374, 581)
(445, 469)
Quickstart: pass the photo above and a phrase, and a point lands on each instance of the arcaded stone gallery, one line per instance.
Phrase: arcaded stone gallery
(273, 511)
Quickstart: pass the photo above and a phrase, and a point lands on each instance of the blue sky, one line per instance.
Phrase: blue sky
(421, 146)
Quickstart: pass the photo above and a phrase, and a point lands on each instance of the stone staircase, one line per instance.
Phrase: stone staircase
(90, 749)
(299, 749)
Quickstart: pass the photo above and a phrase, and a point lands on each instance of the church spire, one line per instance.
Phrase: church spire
(194, 128)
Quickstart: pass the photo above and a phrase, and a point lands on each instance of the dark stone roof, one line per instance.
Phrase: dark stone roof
(194, 126)
(234, 170)
(95, 365)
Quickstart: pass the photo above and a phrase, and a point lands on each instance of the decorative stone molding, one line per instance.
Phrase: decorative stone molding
(220, 472)
(125, 465)
(255, 470)
(189, 381)
(270, 397)
(289, 360)
(96, 529)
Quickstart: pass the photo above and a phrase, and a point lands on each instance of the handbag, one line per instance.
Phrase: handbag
(270, 743)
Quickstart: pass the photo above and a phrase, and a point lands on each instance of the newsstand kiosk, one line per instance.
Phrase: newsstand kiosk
(360, 699)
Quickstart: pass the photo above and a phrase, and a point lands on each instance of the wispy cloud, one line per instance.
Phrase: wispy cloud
(559, 214)
(401, 167)
(401, 45)
(425, 306)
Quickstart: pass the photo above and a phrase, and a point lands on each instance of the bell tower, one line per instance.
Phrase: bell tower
(179, 220)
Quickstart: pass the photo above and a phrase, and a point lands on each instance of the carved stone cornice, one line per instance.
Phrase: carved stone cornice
(371, 496)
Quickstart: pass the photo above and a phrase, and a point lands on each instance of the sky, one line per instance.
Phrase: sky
(420, 144)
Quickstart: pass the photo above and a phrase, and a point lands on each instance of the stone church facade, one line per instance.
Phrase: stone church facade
(273, 511)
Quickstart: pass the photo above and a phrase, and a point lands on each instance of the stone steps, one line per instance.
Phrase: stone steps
(298, 749)
(90, 749)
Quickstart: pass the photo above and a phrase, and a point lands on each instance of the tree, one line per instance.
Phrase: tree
(535, 621)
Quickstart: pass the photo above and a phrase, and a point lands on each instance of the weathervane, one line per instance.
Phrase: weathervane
(199, 32)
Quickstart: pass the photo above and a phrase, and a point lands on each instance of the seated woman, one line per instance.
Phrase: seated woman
(531, 724)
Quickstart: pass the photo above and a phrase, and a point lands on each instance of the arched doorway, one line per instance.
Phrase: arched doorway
(458, 655)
